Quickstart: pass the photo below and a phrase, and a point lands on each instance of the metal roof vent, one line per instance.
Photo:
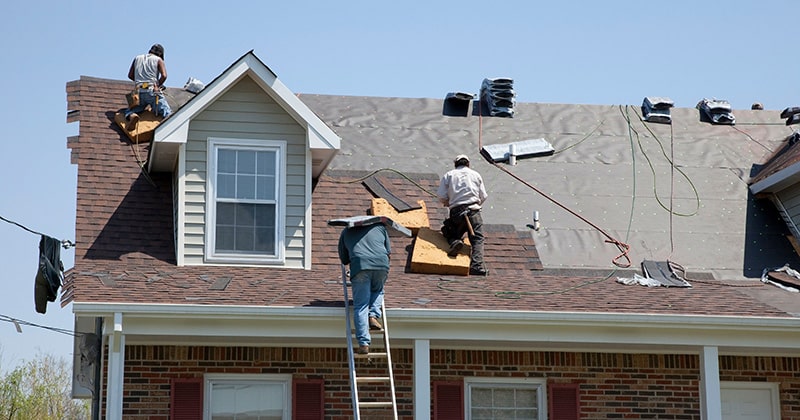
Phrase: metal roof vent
(499, 96)
(791, 114)
(456, 104)
(656, 109)
(716, 111)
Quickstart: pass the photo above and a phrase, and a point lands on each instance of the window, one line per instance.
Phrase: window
(247, 397)
(750, 400)
(244, 219)
(505, 398)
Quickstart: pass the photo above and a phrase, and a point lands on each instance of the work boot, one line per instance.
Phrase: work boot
(374, 324)
(478, 272)
(133, 119)
(363, 349)
(455, 248)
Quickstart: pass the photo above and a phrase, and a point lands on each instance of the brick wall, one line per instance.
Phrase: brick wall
(611, 385)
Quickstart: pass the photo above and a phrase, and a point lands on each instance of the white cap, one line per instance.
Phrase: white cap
(461, 157)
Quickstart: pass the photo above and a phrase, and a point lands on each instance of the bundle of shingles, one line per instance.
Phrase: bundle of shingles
(499, 97)
(784, 277)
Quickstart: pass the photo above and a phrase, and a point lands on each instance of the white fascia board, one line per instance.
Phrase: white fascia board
(778, 180)
(175, 129)
(471, 328)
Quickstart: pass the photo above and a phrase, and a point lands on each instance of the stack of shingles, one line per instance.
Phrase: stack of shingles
(499, 96)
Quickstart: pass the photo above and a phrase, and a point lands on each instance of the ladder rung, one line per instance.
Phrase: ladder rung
(371, 332)
(367, 356)
(373, 379)
(375, 404)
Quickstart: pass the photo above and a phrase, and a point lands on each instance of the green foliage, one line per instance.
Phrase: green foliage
(40, 389)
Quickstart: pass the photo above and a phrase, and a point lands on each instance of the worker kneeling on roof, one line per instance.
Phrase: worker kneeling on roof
(149, 73)
(462, 190)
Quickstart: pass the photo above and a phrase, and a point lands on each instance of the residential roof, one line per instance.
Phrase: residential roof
(613, 174)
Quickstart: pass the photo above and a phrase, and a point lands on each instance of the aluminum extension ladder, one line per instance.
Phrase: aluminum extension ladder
(384, 355)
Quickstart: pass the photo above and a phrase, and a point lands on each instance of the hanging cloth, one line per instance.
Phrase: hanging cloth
(50, 274)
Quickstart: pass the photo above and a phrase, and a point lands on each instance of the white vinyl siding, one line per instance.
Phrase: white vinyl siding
(245, 112)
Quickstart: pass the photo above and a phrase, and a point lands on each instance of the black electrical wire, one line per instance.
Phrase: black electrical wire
(17, 322)
(66, 244)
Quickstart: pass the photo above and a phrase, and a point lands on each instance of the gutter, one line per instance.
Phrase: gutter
(451, 329)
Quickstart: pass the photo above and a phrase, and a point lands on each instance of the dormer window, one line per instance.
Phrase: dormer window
(245, 211)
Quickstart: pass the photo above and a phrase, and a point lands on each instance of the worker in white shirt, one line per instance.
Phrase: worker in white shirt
(462, 190)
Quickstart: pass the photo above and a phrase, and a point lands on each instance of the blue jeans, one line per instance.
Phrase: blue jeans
(157, 101)
(367, 300)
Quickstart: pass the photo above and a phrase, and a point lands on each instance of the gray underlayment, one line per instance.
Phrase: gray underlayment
(601, 170)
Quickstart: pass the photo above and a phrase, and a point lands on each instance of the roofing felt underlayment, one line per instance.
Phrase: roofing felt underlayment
(615, 174)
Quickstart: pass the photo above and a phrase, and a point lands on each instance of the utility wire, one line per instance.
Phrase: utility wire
(19, 322)
(623, 247)
(66, 244)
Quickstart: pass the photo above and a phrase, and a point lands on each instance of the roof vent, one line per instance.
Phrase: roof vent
(456, 104)
(716, 111)
(791, 114)
(656, 109)
(499, 96)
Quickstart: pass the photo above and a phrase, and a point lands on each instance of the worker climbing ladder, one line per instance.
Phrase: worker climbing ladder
(374, 360)
(370, 361)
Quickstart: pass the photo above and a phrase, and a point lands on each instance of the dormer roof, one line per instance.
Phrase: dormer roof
(172, 133)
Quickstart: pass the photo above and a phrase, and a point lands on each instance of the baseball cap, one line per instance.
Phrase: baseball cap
(461, 157)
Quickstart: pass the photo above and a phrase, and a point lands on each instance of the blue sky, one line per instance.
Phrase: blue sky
(582, 52)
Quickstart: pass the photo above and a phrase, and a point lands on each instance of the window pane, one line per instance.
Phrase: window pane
(245, 238)
(504, 398)
(481, 397)
(246, 163)
(224, 238)
(526, 398)
(226, 186)
(265, 188)
(265, 215)
(266, 163)
(246, 187)
(226, 214)
(245, 215)
(265, 240)
(226, 161)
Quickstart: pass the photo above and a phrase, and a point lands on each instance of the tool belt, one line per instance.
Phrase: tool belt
(462, 209)
(145, 86)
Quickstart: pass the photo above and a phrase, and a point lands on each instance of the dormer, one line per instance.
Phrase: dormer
(243, 153)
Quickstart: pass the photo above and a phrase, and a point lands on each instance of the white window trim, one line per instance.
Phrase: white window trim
(242, 378)
(539, 383)
(280, 208)
(772, 387)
